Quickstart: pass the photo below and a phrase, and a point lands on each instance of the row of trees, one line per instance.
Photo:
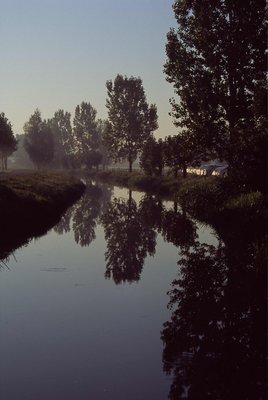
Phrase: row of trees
(57, 143)
(216, 63)
(91, 141)
(174, 152)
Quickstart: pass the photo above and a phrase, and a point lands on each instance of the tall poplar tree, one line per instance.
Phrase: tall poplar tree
(63, 138)
(130, 119)
(216, 63)
(85, 132)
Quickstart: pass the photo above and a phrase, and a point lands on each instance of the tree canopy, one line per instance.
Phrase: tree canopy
(130, 119)
(216, 63)
(85, 132)
(38, 140)
(8, 142)
(62, 136)
(152, 157)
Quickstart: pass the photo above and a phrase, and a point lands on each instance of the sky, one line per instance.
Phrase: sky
(57, 53)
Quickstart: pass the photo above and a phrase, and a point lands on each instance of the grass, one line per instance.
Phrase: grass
(210, 199)
(163, 185)
(31, 204)
(41, 189)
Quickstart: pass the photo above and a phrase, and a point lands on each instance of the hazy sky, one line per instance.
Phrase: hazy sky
(57, 53)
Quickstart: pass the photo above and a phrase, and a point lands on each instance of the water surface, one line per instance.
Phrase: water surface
(128, 298)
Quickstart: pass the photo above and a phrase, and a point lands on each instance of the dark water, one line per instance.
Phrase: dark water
(128, 298)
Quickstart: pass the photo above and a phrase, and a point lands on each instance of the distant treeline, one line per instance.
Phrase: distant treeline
(216, 62)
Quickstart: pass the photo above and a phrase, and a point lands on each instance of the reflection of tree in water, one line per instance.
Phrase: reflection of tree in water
(129, 240)
(151, 210)
(177, 228)
(84, 215)
(214, 343)
(64, 225)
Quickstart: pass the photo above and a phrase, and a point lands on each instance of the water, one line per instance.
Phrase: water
(128, 298)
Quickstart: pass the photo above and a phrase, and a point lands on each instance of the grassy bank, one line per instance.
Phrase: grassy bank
(39, 190)
(164, 186)
(30, 204)
(210, 199)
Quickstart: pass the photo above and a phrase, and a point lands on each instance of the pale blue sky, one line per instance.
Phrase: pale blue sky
(58, 53)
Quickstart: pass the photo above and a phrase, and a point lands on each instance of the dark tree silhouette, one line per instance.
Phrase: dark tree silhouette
(180, 151)
(215, 341)
(85, 132)
(178, 229)
(86, 214)
(152, 157)
(130, 119)
(129, 241)
(8, 142)
(63, 139)
(216, 62)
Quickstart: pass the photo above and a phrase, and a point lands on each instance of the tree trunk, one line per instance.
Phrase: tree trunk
(130, 163)
(184, 171)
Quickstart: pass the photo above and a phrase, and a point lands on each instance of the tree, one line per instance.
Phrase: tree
(106, 160)
(38, 140)
(93, 159)
(8, 142)
(216, 63)
(21, 158)
(63, 139)
(130, 119)
(179, 152)
(85, 132)
(152, 157)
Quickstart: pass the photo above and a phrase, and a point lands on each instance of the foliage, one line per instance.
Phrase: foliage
(179, 152)
(215, 339)
(62, 137)
(204, 197)
(130, 119)
(8, 142)
(216, 63)
(152, 160)
(93, 159)
(85, 133)
(32, 203)
(245, 202)
(106, 159)
(38, 140)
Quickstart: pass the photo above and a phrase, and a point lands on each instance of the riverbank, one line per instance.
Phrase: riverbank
(32, 203)
(213, 200)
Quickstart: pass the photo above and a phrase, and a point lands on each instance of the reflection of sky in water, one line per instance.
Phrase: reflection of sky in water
(69, 333)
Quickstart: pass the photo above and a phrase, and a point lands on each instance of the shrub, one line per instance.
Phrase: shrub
(246, 202)
(202, 197)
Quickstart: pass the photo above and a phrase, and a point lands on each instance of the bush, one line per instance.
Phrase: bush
(246, 202)
(202, 197)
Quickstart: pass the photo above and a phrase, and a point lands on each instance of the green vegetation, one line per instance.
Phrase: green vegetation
(216, 62)
(31, 204)
(209, 199)
(38, 192)
(131, 120)
(8, 143)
